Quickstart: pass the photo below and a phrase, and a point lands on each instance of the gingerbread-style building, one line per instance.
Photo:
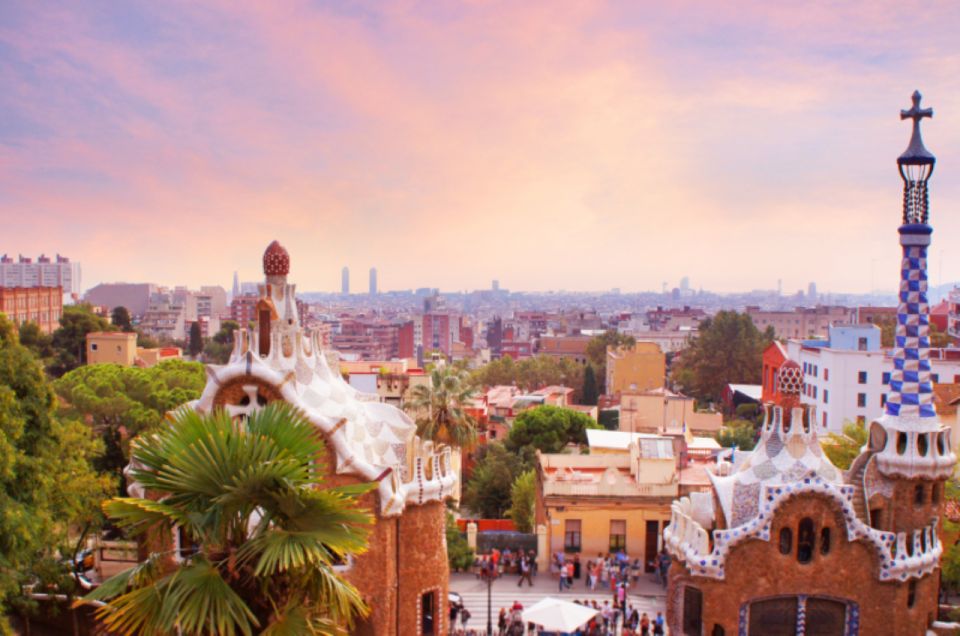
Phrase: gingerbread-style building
(403, 575)
(786, 543)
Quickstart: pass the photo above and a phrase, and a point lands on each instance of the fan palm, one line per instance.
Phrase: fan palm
(439, 408)
(243, 492)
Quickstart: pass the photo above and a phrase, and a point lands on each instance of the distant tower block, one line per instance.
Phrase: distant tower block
(345, 281)
(496, 285)
(373, 281)
(236, 285)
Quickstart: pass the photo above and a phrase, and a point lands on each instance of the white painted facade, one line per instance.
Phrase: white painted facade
(834, 385)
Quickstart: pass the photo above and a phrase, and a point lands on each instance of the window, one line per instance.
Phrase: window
(911, 594)
(861, 399)
(618, 535)
(883, 400)
(816, 370)
(806, 538)
(692, 611)
(862, 377)
(824, 419)
(919, 495)
(571, 535)
(826, 374)
(861, 344)
(826, 396)
(876, 518)
(428, 612)
(786, 540)
(93, 346)
(773, 617)
(935, 377)
(956, 379)
(885, 378)
(825, 541)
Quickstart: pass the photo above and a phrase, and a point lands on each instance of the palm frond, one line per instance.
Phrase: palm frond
(199, 601)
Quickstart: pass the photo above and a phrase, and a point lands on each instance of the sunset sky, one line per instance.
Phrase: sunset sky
(573, 145)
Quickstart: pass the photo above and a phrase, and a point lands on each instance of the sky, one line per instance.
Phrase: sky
(550, 145)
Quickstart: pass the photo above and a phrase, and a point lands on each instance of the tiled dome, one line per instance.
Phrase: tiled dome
(276, 260)
(790, 378)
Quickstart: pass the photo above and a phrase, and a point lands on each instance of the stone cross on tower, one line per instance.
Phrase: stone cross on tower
(916, 114)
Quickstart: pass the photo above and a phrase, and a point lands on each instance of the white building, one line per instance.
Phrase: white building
(847, 376)
(44, 272)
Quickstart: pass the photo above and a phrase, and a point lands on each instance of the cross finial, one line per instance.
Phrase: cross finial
(916, 154)
(916, 113)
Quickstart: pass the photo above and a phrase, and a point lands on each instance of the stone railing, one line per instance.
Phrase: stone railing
(600, 489)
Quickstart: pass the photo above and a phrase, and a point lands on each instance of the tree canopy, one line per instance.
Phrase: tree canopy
(47, 486)
(196, 339)
(597, 347)
(531, 374)
(842, 449)
(218, 348)
(121, 402)
(489, 491)
(728, 349)
(739, 433)
(523, 494)
(120, 317)
(266, 536)
(549, 429)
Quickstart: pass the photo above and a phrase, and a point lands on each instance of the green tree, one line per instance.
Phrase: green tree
(121, 402)
(147, 341)
(728, 349)
(531, 374)
(739, 433)
(196, 340)
(266, 536)
(40, 344)
(219, 348)
(523, 495)
(951, 556)
(590, 393)
(888, 330)
(488, 492)
(440, 408)
(842, 449)
(549, 429)
(459, 553)
(120, 317)
(70, 340)
(48, 489)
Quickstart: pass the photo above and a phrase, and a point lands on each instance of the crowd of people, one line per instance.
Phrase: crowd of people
(607, 572)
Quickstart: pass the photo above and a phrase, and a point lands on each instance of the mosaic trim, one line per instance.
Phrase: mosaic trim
(689, 542)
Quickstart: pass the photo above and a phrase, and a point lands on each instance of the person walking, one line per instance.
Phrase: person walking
(502, 622)
(464, 617)
(644, 625)
(658, 625)
(524, 572)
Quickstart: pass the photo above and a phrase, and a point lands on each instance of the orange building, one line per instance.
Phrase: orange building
(41, 305)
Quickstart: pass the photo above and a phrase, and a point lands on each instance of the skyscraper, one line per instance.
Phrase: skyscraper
(345, 280)
(236, 286)
(373, 281)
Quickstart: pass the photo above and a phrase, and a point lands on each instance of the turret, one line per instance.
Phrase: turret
(909, 439)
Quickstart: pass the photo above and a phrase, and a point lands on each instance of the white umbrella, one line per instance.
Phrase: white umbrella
(556, 614)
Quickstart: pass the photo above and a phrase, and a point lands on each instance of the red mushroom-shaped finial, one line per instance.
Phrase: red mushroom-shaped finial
(276, 260)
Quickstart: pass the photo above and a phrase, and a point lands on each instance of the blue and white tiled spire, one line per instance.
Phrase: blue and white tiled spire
(916, 444)
(911, 391)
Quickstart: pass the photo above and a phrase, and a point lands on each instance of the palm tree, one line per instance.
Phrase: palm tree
(439, 408)
(265, 538)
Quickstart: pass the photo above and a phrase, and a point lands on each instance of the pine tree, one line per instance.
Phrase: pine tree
(589, 394)
(120, 317)
(196, 340)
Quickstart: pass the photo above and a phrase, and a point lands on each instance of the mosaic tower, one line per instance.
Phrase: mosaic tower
(915, 446)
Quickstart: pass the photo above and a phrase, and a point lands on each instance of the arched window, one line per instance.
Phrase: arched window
(912, 594)
(786, 540)
(923, 444)
(806, 540)
(919, 495)
(825, 540)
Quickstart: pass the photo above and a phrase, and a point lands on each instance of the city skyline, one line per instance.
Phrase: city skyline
(572, 147)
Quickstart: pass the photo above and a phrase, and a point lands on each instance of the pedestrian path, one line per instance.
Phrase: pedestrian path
(505, 591)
